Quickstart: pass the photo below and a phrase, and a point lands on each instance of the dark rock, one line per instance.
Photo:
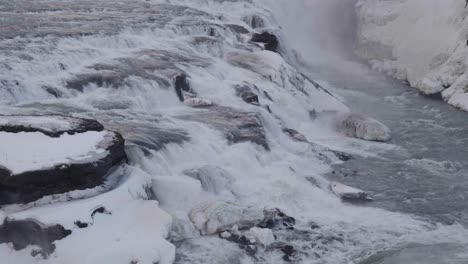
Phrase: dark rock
(182, 87)
(100, 210)
(289, 252)
(247, 95)
(80, 224)
(313, 114)
(100, 79)
(294, 134)
(314, 226)
(342, 156)
(434, 96)
(22, 233)
(243, 242)
(275, 219)
(237, 29)
(267, 95)
(53, 91)
(270, 40)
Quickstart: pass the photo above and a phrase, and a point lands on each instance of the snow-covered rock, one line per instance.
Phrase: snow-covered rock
(43, 155)
(362, 127)
(349, 193)
(422, 41)
(263, 236)
(215, 217)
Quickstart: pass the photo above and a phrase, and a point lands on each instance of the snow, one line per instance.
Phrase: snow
(45, 123)
(263, 236)
(422, 41)
(28, 151)
(134, 230)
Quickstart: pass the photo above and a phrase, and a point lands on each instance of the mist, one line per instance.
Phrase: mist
(322, 32)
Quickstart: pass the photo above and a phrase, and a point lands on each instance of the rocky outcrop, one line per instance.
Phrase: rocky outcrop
(79, 155)
(236, 125)
(268, 39)
(23, 233)
(294, 134)
(182, 87)
(247, 95)
(348, 193)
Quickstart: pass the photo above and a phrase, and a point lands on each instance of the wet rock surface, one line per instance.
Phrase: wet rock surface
(268, 39)
(236, 125)
(247, 95)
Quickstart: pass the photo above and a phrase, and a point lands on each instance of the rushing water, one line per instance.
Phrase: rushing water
(79, 60)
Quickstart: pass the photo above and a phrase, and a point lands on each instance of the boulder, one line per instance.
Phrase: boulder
(182, 88)
(45, 155)
(269, 40)
(219, 216)
(348, 193)
(23, 233)
(363, 127)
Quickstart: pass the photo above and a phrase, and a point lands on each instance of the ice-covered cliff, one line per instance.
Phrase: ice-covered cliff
(421, 41)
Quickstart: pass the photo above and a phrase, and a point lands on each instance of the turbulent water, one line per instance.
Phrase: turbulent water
(119, 63)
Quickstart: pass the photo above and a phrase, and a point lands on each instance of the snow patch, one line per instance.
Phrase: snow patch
(28, 151)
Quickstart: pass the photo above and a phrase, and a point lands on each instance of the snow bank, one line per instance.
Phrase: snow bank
(422, 41)
(128, 229)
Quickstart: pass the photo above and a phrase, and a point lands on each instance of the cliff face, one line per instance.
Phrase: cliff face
(421, 41)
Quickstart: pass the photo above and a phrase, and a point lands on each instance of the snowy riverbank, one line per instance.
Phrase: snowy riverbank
(421, 41)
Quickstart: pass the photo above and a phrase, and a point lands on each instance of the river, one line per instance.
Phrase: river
(117, 64)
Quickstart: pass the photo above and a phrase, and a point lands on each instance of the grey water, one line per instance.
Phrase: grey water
(425, 174)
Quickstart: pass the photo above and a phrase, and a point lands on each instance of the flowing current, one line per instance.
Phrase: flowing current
(119, 62)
